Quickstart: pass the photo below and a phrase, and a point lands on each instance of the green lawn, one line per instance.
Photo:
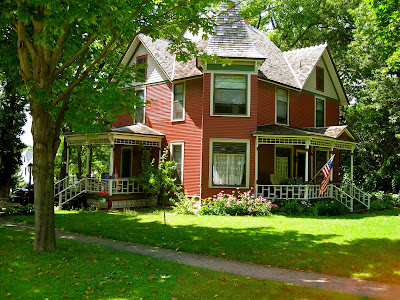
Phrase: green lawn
(79, 271)
(363, 246)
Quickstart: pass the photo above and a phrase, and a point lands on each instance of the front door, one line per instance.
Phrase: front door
(301, 165)
(126, 162)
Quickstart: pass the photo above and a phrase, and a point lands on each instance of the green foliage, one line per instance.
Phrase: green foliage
(157, 182)
(236, 204)
(383, 201)
(310, 208)
(182, 204)
(28, 209)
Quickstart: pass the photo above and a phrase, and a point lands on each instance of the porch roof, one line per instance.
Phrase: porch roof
(339, 137)
(138, 134)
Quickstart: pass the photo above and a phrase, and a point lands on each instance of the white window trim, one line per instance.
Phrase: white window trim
(130, 167)
(315, 110)
(248, 94)
(182, 143)
(276, 105)
(144, 107)
(291, 157)
(210, 162)
(173, 98)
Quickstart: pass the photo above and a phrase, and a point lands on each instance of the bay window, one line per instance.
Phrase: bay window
(229, 163)
(230, 94)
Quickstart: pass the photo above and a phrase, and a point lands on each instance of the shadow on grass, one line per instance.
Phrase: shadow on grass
(369, 258)
(373, 258)
(354, 216)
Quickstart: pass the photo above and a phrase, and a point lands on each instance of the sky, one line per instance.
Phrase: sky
(26, 137)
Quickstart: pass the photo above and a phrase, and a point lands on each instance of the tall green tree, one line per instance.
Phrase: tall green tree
(12, 116)
(68, 51)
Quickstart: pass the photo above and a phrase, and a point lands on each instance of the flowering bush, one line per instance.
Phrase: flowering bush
(238, 203)
(308, 208)
(102, 194)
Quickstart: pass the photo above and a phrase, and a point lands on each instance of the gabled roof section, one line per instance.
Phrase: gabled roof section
(275, 66)
(334, 132)
(137, 129)
(303, 61)
(231, 38)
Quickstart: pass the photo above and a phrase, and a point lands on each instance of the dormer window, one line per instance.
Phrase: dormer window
(230, 95)
(141, 63)
(282, 106)
(320, 79)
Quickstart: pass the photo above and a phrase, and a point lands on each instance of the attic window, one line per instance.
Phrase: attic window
(141, 63)
(320, 79)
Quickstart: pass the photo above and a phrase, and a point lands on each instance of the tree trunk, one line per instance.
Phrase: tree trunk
(5, 190)
(63, 169)
(46, 142)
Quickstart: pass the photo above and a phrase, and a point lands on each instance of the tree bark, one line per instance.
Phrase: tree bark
(63, 169)
(45, 145)
(5, 190)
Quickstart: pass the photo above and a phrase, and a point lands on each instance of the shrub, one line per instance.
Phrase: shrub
(308, 208)
(238, 204)
(28, 209)
(183, 204)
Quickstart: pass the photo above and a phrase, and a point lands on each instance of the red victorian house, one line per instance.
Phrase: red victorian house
(265, 117)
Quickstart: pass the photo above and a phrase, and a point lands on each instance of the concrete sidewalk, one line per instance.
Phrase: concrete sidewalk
(314, 280)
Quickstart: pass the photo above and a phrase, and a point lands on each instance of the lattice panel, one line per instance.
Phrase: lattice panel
(320, 143)
(137, 142)
(343, 146)
(288, 141)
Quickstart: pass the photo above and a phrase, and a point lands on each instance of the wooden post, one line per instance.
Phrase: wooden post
(307, 147)
(87, 160)
(351, 164)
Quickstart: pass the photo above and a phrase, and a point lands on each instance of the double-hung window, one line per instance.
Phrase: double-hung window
(228, 163)
(140, 108)
(177, 152)
(319, 112)
(230, 94)
(282, 106)
(178, 102)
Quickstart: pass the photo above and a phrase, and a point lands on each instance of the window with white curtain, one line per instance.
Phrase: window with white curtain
(139, 114)
(178, 104)
(177, 152)
(229, 164)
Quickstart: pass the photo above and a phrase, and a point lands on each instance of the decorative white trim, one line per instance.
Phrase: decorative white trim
(248, 100)
(182, 143)
(276, 105)
(173, 98)
(210, 161)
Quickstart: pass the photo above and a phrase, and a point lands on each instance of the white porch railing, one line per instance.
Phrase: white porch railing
(346, 194)
(66, 190)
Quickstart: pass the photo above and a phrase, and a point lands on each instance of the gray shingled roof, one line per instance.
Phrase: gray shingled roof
(234, 39)
(302, 61)
(275, 66)
(137, 129)
(277, 129)
(231, 38)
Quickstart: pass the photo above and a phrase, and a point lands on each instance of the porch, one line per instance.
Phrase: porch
(118, 186)
(284, 153)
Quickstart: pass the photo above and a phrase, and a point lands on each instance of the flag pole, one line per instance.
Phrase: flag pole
(320, 170)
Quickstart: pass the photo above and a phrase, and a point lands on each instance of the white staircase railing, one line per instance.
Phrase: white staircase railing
(65, 191)
(346, 194)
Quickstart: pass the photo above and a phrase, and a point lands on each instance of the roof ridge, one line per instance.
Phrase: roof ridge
(307, 48)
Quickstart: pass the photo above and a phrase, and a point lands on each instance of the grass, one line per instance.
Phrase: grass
(361, 246)
(79, 271)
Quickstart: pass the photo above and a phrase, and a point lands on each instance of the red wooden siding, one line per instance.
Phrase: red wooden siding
(265, 163)
(332, 113)
(301, 109)
(158, 116)
(122, 120)
(266, 103)
(227, 127)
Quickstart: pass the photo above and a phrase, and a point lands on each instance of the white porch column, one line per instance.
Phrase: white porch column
(330, 189)
(87, 160)
(256, 168)
(111, 170)
(351, 164)
(67, 165)
(307, 147)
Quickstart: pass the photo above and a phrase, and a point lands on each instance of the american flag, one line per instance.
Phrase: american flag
(326, 170)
